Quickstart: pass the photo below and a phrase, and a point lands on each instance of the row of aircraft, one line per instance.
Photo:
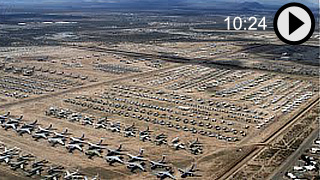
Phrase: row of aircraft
(113, 156)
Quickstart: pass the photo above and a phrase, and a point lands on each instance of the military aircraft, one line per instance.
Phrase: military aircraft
(4, 117)
(53, 176)
(176, 144)
(99, 146)
(41, 163)
(56, 140)
(93, 152)
(112, 152)
(18, 164)
(194, 143)
(138, 157)
(165, 174)
(17, 120)
(158, 164)
(94, 178)
(10, 151)
(74, 146)
(40, 134)
(63, 134)
(6, 158)
(12, 123)
(161, 139)
(130, 128)
(27, 157)
(75, 140)
(101, 124)
(49, 129)
(34, 171)
(134, 166)
(27, 128)
(87, 121)
(55, 169)
(74, 175)
(114, 159)
(190, 172)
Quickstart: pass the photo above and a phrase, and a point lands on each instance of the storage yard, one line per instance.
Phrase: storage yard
(180, 102)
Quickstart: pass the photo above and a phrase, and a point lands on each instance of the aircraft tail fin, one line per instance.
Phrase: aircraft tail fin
(100, 142)
(141, 152)
(119, 147)
(163, 159)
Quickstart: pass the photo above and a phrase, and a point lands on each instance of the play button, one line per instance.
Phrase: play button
(294, 23)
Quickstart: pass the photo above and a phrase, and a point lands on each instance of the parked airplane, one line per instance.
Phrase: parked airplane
(138, 157)
(158, 164)
(112, 152)
(188, 172)
(99, 146)
(114, 159)
(165, 174)
(134, 166)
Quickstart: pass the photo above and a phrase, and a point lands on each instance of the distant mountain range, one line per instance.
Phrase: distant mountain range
(169, 4)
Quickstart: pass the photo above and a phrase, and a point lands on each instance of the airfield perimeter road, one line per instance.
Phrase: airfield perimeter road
(242, 161)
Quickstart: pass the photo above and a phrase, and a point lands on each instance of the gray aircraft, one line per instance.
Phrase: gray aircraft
(176, 144)
(12, 123)
(99, 146)
(54, 176)
(15, 120)
(27, 157)
(71, 147)
(63, 134)
(138, 157)
(158, 164)
(56, 140)
(114, 159)
(94, 178)
(194, 143)
(113, 152)
(40, 135)
(93, 152)
(73, 175)
(27, 128)
(4, 117)
(34, 171)
(135, 165)
(49, 129)
(13, 150)
(80, 140)
(130, 128)
(41, 163)
(55, 169)
(165, 174)
(6, 158)
(101, 124)
(18, 164)
(190, 172)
